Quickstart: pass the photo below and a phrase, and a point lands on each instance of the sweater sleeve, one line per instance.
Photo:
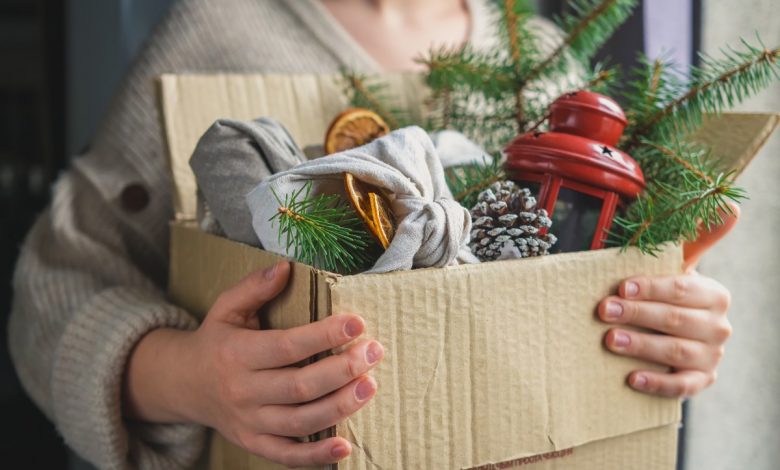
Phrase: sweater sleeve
(80, 306)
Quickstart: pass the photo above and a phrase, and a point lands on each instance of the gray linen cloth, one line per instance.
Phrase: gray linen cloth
(235, 162)
(433, 229)
(230, 159)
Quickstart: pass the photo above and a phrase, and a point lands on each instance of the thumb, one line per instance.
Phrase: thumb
(240, 303)
(693, 251)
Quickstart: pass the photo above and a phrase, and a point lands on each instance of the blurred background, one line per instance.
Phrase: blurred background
(62, 60)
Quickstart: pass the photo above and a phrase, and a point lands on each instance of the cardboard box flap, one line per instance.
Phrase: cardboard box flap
(476, 325)
(305, 104)
(735, 138)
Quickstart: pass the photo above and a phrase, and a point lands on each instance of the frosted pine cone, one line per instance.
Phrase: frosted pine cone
(506, 224)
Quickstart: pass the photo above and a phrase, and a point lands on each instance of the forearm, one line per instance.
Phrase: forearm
(156, 385)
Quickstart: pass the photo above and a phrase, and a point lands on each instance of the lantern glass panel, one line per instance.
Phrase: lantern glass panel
(575, 219)
(533, 187)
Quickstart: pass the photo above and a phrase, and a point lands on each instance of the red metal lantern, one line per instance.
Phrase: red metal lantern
(580, 175)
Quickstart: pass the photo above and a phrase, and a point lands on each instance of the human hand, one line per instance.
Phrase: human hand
(239, 380)
(253, 396)
(689, 312)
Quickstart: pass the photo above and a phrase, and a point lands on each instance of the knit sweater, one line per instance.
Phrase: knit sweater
(91, 278)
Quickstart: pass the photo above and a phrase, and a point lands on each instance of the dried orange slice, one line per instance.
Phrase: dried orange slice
(353, 128)
(380, 215)
(372, 207)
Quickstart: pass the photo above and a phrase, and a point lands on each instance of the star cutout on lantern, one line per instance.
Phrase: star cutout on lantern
(571, 94)
(606, 150)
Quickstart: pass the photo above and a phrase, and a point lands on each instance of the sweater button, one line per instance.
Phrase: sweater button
(134, 198)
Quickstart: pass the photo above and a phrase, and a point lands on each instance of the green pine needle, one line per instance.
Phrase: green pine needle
(466, 182)
(683, 193)
(363, 92)
(323, 232)
(493, 96)
(713, 87)
(588, 27)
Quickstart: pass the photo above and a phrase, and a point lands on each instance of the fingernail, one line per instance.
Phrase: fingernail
(364, 390)
(614, 310)
(353, 328)
(270, 273)
(621, 340)
(632, 289)
(373, 352)
(339, 451)
(640, 381)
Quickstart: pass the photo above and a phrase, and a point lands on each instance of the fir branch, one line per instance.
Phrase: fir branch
(715, 86)
(514, 50)
(663, 217)
(686, 164)
(467, 69)
(656, 73)
(468, 181)
(598, 80)
(322, 231)
(539, 123)
(593, 23)
(511, 29)
(364, 95)
(601, 78)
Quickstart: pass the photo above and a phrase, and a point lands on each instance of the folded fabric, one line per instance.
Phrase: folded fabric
(230, 159)
(433, 229)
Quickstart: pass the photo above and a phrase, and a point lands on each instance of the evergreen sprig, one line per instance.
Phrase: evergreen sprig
(323, 232)
(363, 92)
(466, 182)
(590, 25)
(492, 96)
(683, 191)
(713, 87)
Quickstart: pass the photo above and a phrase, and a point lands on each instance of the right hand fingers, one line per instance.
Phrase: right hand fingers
(288, 386)
(271, 349)
(304, 420)
(292, 453)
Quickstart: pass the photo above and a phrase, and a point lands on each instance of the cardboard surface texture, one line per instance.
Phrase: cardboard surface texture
(497, 365)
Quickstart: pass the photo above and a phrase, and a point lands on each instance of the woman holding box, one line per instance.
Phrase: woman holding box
(132, 381)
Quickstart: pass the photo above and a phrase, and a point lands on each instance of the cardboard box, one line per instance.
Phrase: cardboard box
(498, 365)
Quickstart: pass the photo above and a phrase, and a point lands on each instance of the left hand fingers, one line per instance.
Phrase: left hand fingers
(678, 384)
(670, 319)
(690, 290)
(675, 352)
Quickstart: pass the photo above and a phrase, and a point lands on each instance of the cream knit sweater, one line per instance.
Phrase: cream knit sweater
(91, 277)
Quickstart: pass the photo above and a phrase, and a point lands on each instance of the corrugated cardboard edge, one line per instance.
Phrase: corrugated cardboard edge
(642, 450)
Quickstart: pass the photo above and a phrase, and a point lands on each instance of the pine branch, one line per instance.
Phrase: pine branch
(687, 165)
(662, 216)
(656, 73)
(466, 69)
(468, 181)
(586, 31)
(514, 49)
(322, 231)
(715, 86)
(598, 80)
(364, 95)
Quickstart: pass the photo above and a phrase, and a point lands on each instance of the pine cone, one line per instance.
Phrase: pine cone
(504, 218)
